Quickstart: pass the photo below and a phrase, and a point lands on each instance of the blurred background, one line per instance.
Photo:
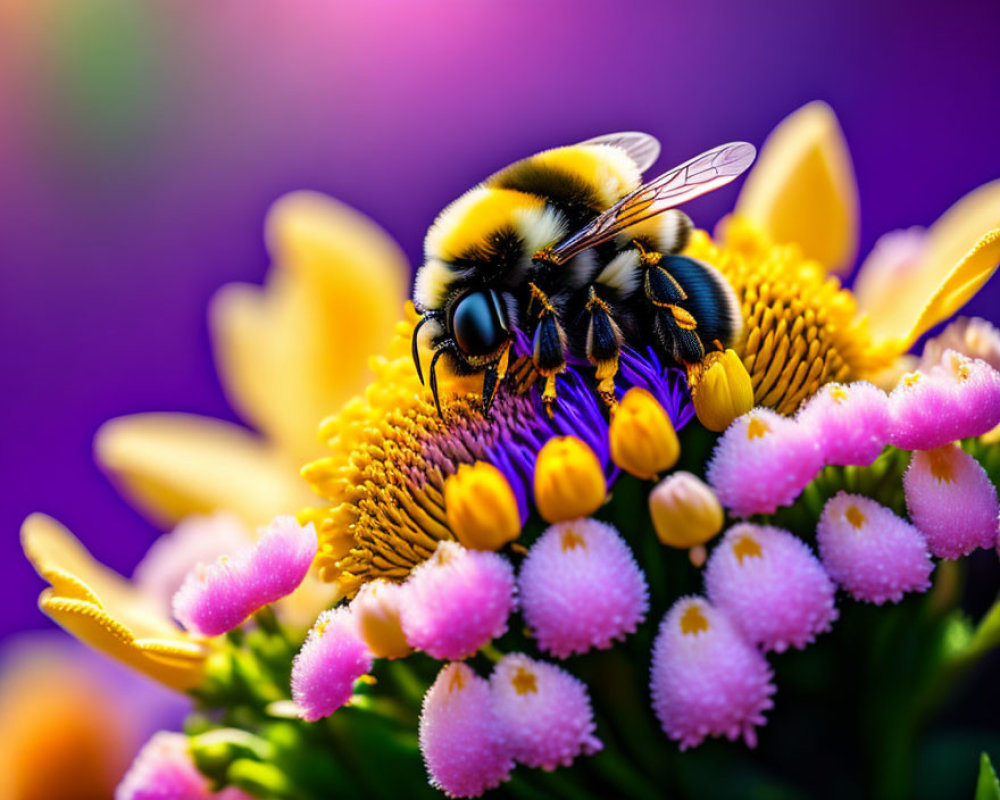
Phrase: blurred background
(141, 144)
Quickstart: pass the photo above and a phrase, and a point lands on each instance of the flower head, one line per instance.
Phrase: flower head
(872, 553)
(457, 601)
(642, 439)
(333, 657)
(706, 679)
(219, 597)
(973, 337)
(761, 462)
(544, 712)
(378, 608)
(482, 510)
(580, 588)
(771, 586)
(165, 770)
(685, 511)
(952, 501)
(461, 739)
(851, 422)
(569, 480)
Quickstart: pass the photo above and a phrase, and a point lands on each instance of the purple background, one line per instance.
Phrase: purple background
(140, 144)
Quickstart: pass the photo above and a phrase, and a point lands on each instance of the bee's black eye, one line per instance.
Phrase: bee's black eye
(479, 323)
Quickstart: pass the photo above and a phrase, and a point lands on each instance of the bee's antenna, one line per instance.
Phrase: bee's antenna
(434, 381)
(415, 348)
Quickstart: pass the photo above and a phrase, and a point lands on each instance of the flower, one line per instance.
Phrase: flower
(569, 480)
(333, 657)
(762, 461)
(952, 501)
(164, 769)
(219, 597)
(457, 601)
(771, 586)
(581, 588)
(378, 609)
(975, 338)
(333, 292)
(872, 553)
(544, 712)
(642, 439)
(796, 217)
(721, 392)
(481, 507)
(959, 399)
(460, 737)
(685, 511)
(851, 422)
(105, 611)
(706, 680)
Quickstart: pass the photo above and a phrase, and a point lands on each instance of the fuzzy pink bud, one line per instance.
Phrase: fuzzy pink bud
(851, 422)
(872, 553)
(706, 679)
(580, 588)
(763, 461)
(952, 501)
(460, 736)
(332, 658)
(219, 597)
(771, 586)
(164, 770)
(544, 712)
(457, 601)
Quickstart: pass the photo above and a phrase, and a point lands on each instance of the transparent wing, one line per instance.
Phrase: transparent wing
(691, 179)
(642, 148)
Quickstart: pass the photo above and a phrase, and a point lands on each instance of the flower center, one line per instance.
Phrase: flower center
(756, 429)
(940, 464)
(571, 540)
(524, 681)
(747, 547)
(693, 621)
(855, 517)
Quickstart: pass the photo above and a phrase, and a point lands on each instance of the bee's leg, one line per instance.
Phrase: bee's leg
(549, 347)
(604, 340)
(491, 380)
(675, 327)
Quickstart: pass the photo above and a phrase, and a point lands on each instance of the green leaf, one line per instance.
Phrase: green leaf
(987, 787)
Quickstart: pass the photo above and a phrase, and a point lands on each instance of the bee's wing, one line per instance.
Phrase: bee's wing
(642, 148)
(691, 179)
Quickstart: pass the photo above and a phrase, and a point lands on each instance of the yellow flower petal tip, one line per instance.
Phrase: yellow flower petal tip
(481, 507)
(932, 293)
(803, 190)
(642, 438)
(721, 390)
(569, 481)
(686, 513)
(377, 609)
(173, 465)
(102, 610)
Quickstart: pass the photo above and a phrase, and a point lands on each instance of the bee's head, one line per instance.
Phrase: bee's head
(480, 326)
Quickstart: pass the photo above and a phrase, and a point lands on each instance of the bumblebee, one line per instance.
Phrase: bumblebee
(571, 249)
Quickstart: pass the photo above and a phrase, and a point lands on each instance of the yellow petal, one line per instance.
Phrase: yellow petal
(102, 610)
(292, 352)
(933, 293)
(172, 465)
(803, 190)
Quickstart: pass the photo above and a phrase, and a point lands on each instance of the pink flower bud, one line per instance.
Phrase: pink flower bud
(457, 601)
(706, 679)
(544, 712)
(581, 588)
(763, 461)
(771, 586)
(333, 657)
(952, 501)
(164, 770)
(460, 736)
(872, 553)
(851, 422)
(219, 597)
